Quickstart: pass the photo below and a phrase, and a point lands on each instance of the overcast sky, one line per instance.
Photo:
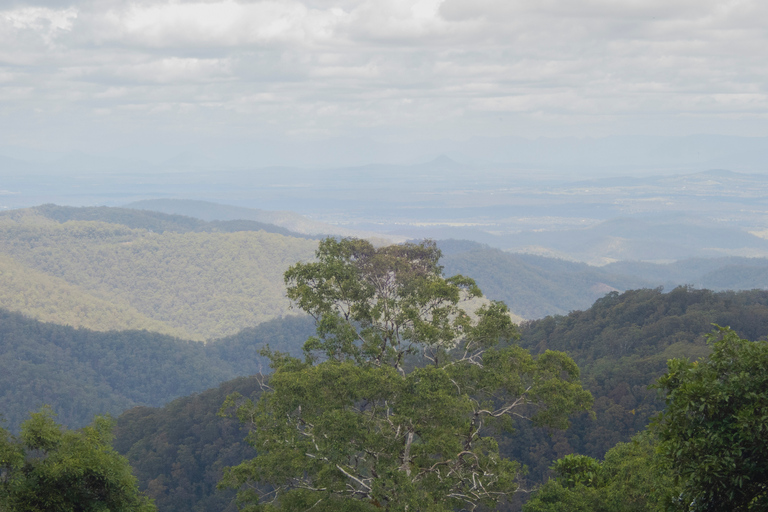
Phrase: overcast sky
(101, 73)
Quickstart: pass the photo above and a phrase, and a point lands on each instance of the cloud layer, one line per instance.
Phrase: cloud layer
(108, 71)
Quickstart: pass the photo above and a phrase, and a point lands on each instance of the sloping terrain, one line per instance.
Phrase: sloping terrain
(81, 373)
(178, 451)
(118, 268)
(534, 287)
(199, 285)
(52, 299)
(717, 274)
(220, 212)
(622, 344)
(159, 222)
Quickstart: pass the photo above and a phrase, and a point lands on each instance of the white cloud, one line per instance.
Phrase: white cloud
(405, 67)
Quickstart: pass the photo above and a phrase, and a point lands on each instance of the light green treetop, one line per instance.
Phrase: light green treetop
(399, 394)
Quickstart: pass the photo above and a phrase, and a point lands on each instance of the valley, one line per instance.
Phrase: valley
(154, 317)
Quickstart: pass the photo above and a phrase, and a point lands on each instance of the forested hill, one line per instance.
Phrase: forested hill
(156, 221)
(81, 373)
(168, 274)
(536, 286)
(178, 451)
(532, 287)
(622, 344)
(118, 268)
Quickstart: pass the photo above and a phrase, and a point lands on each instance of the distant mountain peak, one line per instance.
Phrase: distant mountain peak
(443, 161)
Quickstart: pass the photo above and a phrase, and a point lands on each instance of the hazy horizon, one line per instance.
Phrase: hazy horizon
(321, 83)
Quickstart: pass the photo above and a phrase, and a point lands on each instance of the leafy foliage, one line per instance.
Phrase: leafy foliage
(714, 430)
(48, 468)
(633, 478)
(399, 392)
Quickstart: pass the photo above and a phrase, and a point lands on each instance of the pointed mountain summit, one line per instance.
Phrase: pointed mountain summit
(443, 162)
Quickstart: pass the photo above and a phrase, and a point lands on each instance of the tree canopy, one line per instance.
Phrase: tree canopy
(400, 392)
(704, 453)
(49, 468)
(632, 478)
(714, 430)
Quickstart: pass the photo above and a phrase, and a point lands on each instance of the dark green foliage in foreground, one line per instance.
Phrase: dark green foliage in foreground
(710, 451)
(81, 373)
(633, 478)
(356, 427)
(178, 451)
(48, 468)
(619, 383)
(714, 431)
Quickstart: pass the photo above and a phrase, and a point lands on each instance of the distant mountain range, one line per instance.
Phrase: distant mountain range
(689, 204)
(213, 212)
(123, 268)
(535, 286)
(586, 154)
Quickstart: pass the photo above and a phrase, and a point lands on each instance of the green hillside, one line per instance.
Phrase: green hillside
(52, 299)
(537, 286)
(199, 285)
(81, 373)
(158, 222)
(178, 451)
(622, 344)
(532, 286)
(120, 268)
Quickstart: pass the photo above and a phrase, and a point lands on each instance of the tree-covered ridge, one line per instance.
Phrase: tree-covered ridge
(52, 299)
(622, 344)
(617, 381)
(705, 452)
(82, 373)
(178, 451)
(156, 221)
(198, 285)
